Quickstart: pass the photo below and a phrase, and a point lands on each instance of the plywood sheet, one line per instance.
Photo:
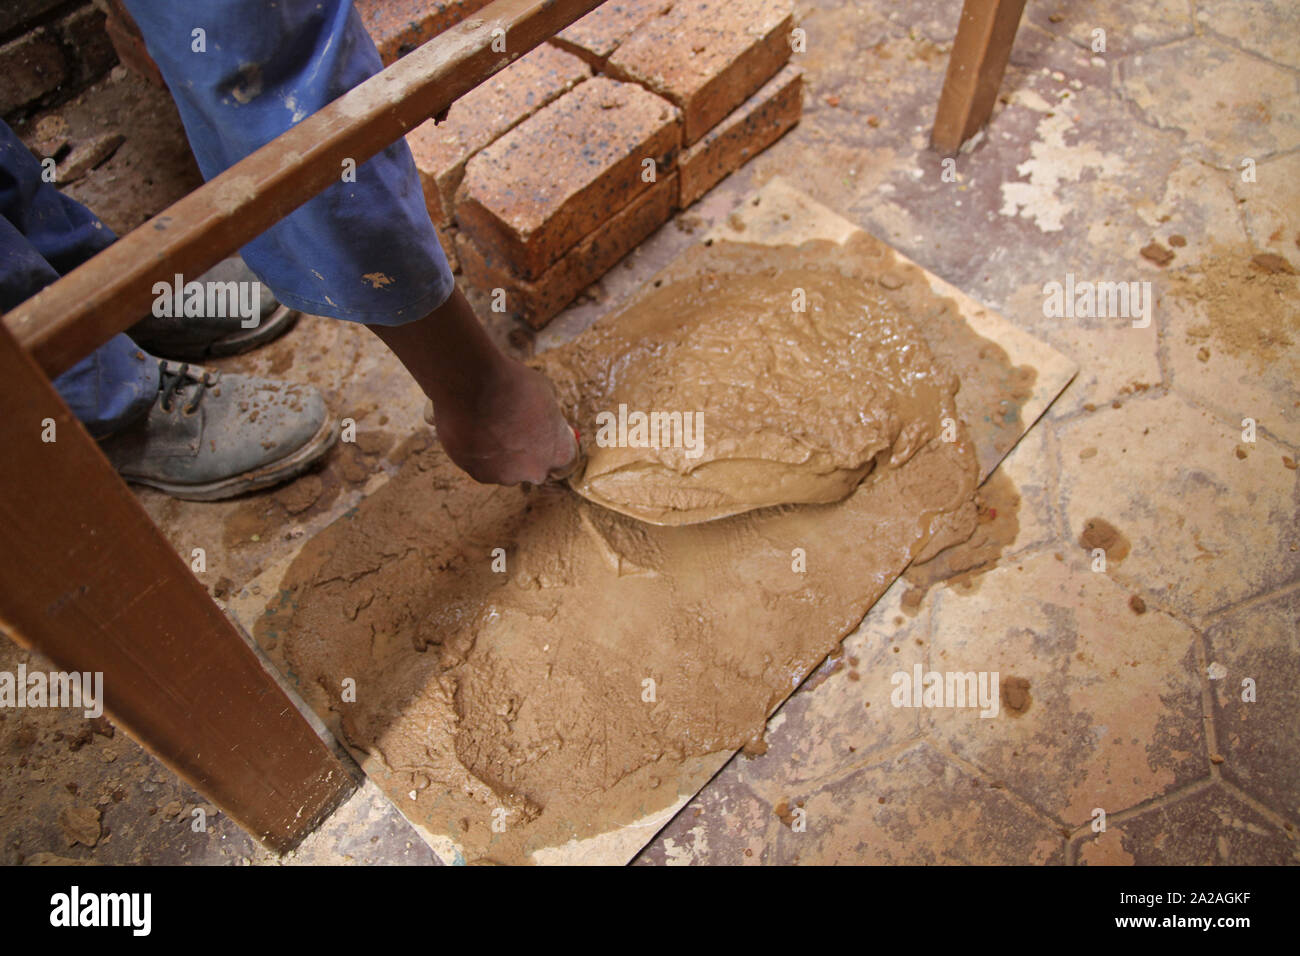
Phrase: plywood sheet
(776, 215)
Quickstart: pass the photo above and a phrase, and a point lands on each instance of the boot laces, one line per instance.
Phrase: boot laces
(174, 378)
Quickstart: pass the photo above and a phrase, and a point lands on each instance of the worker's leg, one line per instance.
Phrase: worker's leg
(44, 234)
(161, 423)
(496, 418)
(244, 71)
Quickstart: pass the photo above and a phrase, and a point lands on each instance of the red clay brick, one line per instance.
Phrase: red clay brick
(707, 56)
(129, 44)
(752, 127)
(537, 302)
(84, 35)
(32, 65)
(18, 16)
(399, 26)
(599, 33)
(530, 196)
(483, 115)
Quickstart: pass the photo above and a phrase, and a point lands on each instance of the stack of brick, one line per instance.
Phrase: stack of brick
(552, 205)
(479, 118)
(557, 168)
(399, 26)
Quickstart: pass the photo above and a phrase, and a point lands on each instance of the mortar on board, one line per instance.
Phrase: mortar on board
(718, 394)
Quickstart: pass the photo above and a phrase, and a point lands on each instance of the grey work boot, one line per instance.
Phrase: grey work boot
(212, 435)
(220, 330)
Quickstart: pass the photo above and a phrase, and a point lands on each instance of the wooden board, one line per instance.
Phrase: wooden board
(89, 581)
(775, 215)
(979, 57)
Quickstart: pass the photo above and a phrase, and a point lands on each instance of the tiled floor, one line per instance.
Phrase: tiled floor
(1176, 725)
(1137, 716)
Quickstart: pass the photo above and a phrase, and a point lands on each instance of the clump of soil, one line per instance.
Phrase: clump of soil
(298, 496)
(1015, 695)
(1272, 263)
(1100, 533)
(80, 825)
(1154, 252)
(785, 812)
(1251, 305)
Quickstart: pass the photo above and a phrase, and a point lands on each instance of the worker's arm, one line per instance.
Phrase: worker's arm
(496, 418)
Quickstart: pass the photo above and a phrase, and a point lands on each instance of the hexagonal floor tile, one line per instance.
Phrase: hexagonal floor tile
(1100, 706)
(1207, 528)
(1114, 359)
(1048, 163)
(1127, 26)
(1271, 204)
(1266, 27)
(917, 808)
(1192, 212)
(1070, 144)
(724, 824)
(1193, 201)
(1205, 828)
(1257, 740)
(1238, 106)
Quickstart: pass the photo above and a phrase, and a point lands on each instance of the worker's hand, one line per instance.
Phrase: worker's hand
(510, 431)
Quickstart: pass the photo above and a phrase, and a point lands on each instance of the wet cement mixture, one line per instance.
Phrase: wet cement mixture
(962, 565)
(532, 668)
(786, 388)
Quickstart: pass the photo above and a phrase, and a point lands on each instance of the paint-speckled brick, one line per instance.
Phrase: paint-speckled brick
(483, 115)
(533, 194)
(598, 34)
(399, 26)
(752, 127)
(707, 56)
(538, 301)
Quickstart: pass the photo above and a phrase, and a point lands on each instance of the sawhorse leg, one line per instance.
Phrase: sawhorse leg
(979, 58)
(89, 581)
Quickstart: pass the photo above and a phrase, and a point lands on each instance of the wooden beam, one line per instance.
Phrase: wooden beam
(87, 580)
(73, 316)
(979, 58)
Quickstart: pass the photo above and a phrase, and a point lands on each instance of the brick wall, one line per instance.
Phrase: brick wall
(49, 51)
